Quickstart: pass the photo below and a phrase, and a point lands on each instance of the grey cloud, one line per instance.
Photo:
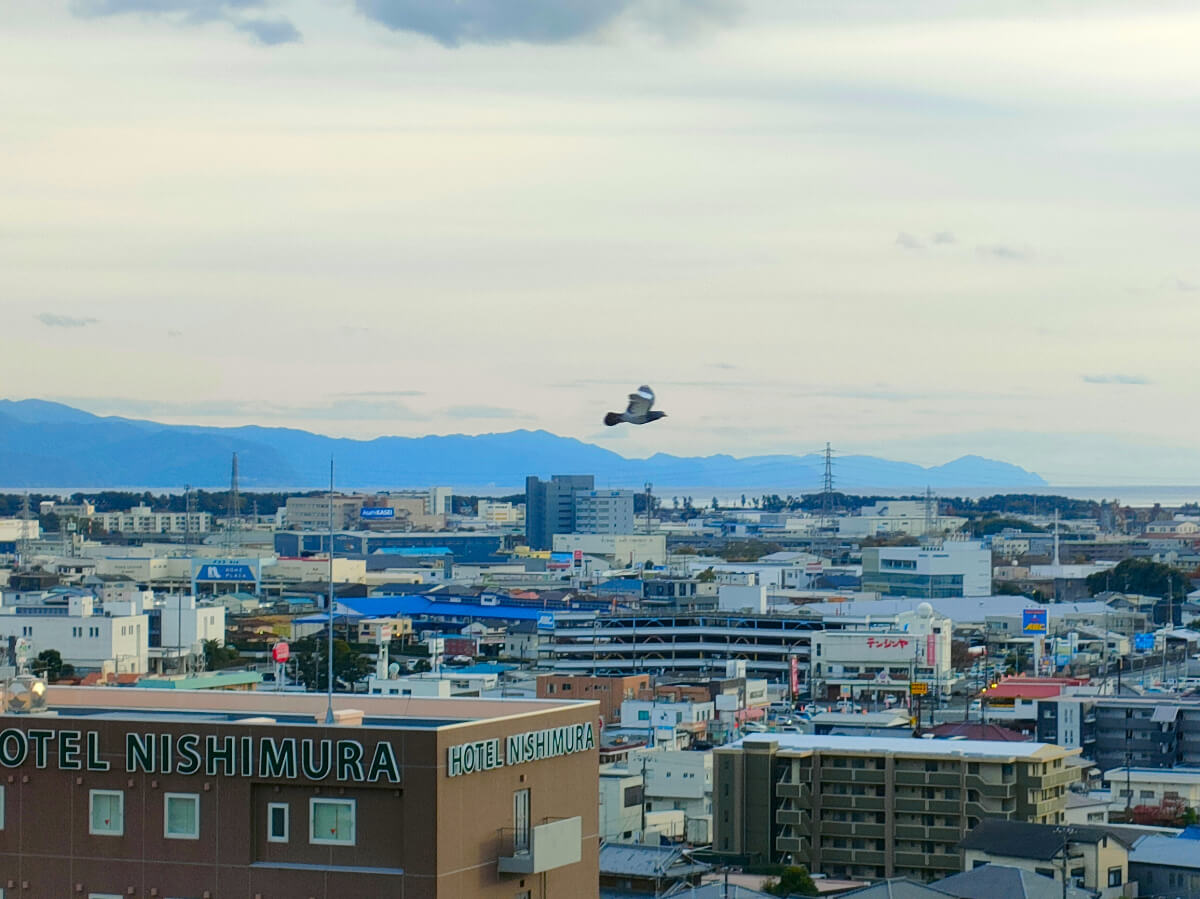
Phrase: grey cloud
(534, 21)
(197, 12)
(270, 32)
(1005, 252)
(908, 242)
(944, 237)
(1185, 286)
(50, 320)
(257, 412)
(174, 333)
(1115, 379)
(481, 412)
(724, 366)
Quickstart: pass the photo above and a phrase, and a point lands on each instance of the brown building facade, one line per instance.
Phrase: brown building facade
(610, 692)
(133, 793)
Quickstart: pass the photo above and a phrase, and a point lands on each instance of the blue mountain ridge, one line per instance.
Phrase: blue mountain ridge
(45, 444)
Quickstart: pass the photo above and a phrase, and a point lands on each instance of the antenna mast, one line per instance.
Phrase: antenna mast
(329, 660)
(234, 511)
(649, 504)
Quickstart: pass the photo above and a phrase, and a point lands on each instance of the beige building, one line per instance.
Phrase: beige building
(623, 549)
(1090, 858)
(874, 807)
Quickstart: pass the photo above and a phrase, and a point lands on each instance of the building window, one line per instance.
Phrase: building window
(107, 816)
(181, 816)
(331, 821)
(277, 822)
(1114, 877)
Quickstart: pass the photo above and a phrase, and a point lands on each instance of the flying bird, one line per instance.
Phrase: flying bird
(638, 412)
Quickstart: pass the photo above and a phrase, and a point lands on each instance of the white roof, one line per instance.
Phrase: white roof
(960, 609)
(900, 745)
(1155, 775)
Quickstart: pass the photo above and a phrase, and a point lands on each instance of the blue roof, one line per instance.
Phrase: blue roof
(1191, 832)
(621, 585)
(486, 668)
(418, 606)
(413, 551)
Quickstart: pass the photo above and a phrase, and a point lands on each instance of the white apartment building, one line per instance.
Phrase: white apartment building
(1153, 786)
(501, 514)
(67, 620)
(681, 781)
(143, 520)
(604, 512)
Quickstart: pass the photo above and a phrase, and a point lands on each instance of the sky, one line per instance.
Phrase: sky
(910, 228)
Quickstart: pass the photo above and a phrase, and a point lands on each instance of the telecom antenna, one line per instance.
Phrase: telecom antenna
(929, 513)
(649, 504)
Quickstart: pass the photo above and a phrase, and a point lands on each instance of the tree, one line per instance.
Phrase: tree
(217, 656)
(49, 664)
(349, 665)
(716, 505)
(707, 576)
(1143, 577)
(793, 881)
(960, 655)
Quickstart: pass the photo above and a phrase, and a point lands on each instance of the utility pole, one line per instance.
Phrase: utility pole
(233, 510)
(649, 504)
(929, 514)
(187, 519)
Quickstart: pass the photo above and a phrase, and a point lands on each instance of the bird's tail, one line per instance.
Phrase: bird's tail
(612, 418)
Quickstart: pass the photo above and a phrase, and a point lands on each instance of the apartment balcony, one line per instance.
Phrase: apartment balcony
(801, 792)
(791, 844)
(1061, 778)
(797, 818)
(928, 806)
(853, 829)
(990, 790)
(551, 845)
(939, 860)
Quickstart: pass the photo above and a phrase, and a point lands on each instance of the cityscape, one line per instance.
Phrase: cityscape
(599, 449)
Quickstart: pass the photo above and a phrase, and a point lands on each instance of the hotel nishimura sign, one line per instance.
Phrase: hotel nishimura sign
(531, 746)
(285, 758)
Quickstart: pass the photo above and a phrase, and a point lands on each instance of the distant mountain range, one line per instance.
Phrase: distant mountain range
(44, 444)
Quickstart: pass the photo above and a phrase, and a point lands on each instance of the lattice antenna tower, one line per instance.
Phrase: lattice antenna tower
(188, 506)
(649, 504)
(827, 522)
(930, 513)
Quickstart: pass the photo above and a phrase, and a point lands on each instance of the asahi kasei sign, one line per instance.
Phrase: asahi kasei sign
(286, 758)
(531, 746)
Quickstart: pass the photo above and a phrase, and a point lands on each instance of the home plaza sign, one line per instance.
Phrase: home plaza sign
(285, 758)
(531, 746)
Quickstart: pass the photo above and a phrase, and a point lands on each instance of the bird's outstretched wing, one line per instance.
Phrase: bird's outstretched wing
(641, 401)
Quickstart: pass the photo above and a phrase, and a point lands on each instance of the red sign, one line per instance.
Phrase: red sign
(794, 671)
(887, 642)
(281, 652)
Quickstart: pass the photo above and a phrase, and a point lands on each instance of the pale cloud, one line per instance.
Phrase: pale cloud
(51, 320)
(943, 237)
(1128, 380)
(481, 412)
(198, 12)
(1005, 252)
(906, 241)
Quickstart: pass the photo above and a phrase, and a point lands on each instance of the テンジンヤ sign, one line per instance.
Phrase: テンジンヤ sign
(531, 746)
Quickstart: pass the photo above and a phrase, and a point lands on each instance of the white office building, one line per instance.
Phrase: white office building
(604, 511)
(68, 621)
(947, 569)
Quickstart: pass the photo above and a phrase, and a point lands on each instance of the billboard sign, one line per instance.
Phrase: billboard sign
(281, 652)
(919, 688)
(237, 574)
(374, 512)
(545, 621)
(1033, 621)
(560, 561)
(794, 675)
(1143, 642)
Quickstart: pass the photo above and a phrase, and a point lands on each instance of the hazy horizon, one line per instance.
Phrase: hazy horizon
(916, 231)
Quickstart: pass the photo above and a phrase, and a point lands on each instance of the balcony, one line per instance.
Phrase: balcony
(791, 844)
(801, 792)
(797, 818)
(1061, 778)
(553, 844)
